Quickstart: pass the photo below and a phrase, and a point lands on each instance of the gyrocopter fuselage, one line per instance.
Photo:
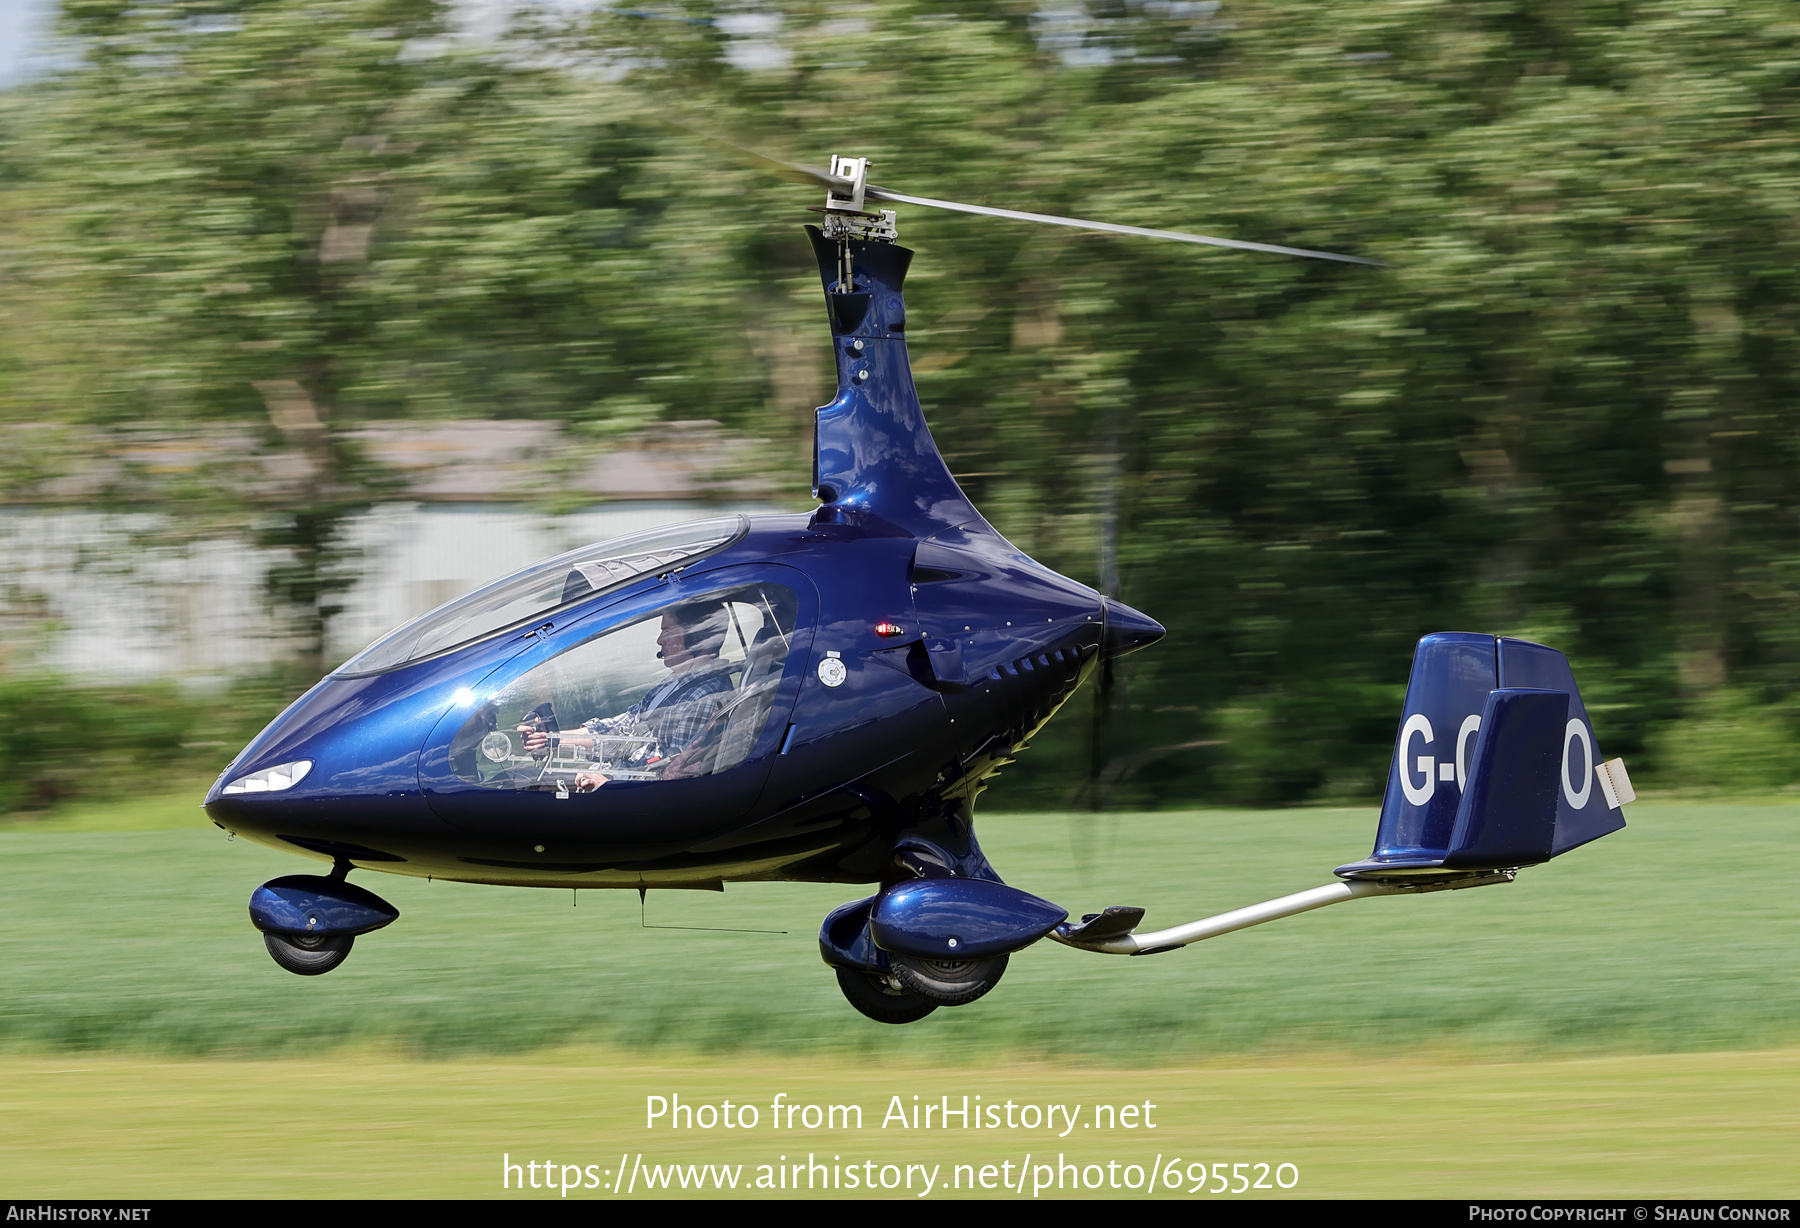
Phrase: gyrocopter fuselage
(819, 697)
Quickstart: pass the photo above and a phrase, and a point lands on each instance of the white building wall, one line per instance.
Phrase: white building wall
(95, 595)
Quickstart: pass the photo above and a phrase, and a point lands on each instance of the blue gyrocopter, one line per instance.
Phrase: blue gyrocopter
(819, 697)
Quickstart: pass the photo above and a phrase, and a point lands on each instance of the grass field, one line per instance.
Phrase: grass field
(1625, 1021)
(1680, 933)
(362, 1125)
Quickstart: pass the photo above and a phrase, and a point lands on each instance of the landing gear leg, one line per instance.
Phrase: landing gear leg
(880, 999)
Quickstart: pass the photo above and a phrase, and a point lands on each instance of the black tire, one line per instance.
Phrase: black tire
(949, 982)
(308, 954)
(880, 1001)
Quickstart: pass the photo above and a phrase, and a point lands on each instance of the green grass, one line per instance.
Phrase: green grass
(1620, 1023)
(176, 810)
(364, 1125)
(1678, 934)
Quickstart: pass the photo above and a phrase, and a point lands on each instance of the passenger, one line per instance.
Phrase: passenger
(674, 712)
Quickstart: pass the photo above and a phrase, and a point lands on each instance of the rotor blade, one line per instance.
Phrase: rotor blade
(874, 193)
(793, 172)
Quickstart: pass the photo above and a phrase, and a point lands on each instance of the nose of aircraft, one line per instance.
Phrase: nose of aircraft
(1127, 630)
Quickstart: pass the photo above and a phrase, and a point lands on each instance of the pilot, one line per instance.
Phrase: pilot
(676, 710)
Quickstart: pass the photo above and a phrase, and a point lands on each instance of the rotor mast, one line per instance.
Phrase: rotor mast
(846, 219)
(872, 452)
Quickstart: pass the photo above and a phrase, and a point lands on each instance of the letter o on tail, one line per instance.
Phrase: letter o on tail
(1576, 729)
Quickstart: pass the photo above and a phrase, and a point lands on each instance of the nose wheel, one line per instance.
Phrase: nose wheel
(294, 913)
(309, 954)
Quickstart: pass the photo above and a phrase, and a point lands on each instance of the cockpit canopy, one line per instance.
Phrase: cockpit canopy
(524, 596)
(684, 692)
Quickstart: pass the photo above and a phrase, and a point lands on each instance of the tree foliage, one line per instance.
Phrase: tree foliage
(1566, 412)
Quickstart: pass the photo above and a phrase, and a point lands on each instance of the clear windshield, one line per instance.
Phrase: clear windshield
(539, 589)
(684, 692)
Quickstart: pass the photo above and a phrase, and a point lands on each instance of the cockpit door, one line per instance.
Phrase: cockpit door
(649, 725)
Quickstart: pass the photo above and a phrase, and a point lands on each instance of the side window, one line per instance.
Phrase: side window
(685, 692)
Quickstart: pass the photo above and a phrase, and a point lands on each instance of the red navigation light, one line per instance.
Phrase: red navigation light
(889, 629)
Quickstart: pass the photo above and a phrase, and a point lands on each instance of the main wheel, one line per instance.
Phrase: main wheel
(309, 954)
(949, 982)
(875, 997)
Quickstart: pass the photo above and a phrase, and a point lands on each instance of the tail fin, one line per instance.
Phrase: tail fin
(1495, 765)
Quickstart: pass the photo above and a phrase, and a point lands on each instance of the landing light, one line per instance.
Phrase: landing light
(271, 780)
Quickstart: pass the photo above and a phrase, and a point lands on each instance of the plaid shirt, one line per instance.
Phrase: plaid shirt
(675, 714)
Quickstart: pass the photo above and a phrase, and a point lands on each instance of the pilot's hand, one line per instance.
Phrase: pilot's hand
(535, 737)
(587, 782)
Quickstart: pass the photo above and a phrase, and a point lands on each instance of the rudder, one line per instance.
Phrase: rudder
(1494, 765)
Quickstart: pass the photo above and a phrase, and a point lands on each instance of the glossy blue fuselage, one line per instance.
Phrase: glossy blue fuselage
(983, 644)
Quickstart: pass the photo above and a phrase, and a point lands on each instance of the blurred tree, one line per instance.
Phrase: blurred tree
(214, 177)
(299, 215)
(1547, 421)
(1567, 412)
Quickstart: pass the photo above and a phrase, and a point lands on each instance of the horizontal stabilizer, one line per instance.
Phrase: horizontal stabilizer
(1496, 764)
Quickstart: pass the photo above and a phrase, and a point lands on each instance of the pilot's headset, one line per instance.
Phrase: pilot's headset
(704, 626)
